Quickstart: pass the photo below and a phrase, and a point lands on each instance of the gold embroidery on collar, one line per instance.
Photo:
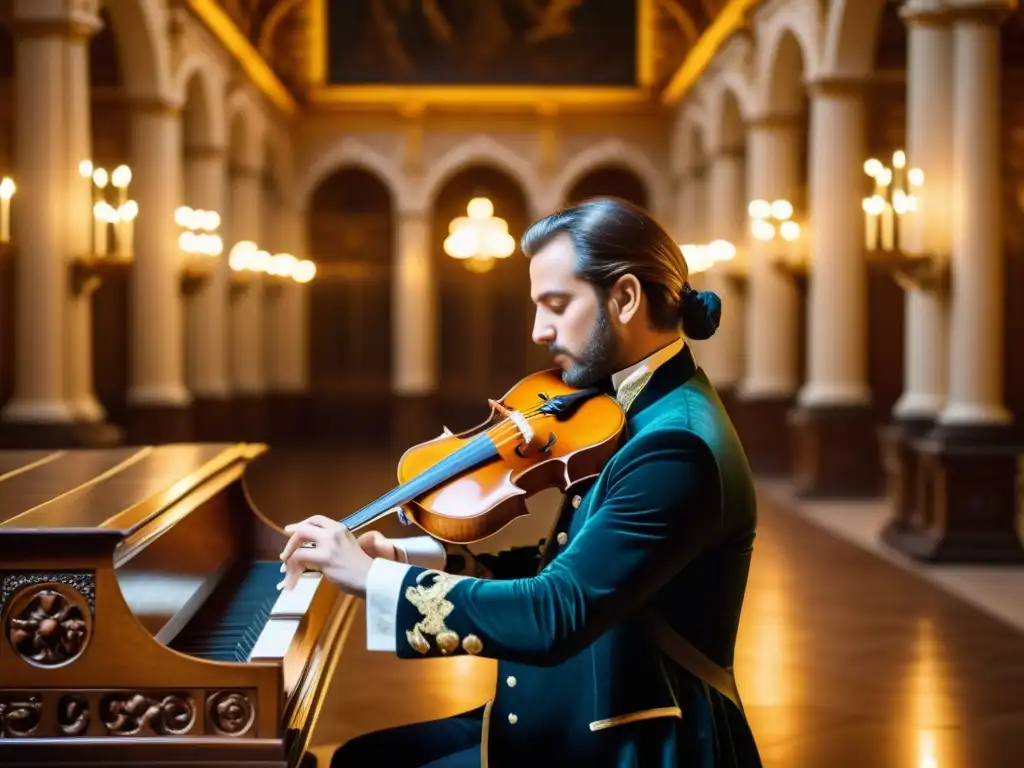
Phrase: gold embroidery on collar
(631, 388)
(432, 603)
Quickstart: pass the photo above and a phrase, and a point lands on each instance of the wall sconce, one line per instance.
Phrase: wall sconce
(773, 222)
(480, 237)
(247, 259)
(7, 190)
(895, 232)
(121, 215)
(199, 244)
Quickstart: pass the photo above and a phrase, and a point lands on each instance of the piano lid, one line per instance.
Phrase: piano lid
(118, 488)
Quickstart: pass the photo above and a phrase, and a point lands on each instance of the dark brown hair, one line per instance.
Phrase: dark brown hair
(613, 237)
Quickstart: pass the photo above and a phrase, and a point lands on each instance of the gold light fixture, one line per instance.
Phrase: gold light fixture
(247, 258)
(480, 237)
(894, 230)
(772, 222)
(120, 215)
(7, 190)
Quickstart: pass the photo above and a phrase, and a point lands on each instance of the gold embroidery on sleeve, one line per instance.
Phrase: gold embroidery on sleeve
(432, 603)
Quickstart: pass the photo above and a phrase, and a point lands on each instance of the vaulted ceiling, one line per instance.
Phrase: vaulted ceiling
(279, 30)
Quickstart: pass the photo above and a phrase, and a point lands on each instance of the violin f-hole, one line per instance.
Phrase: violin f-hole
(552, 439)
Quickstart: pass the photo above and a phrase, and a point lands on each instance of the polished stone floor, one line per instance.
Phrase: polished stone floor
(844, 658)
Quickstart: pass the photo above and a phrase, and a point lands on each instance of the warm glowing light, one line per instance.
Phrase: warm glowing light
(128, 210)
(782, 210)
(100, 177)
(121, 177)
(759, 209)
(240, 256)
(480, 237)
(282, 265)
(305, 271)
(762, 230)
(7, 188)
(790, 231)
(890, 220)
(85, 169)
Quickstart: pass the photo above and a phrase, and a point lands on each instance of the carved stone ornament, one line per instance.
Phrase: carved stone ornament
(49, 624)
(73, 714)
(230, 712)
(126, 714)
(19, 717)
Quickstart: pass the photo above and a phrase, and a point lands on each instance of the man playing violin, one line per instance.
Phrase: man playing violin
(617, 650)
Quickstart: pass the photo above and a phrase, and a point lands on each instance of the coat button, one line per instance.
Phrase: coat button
(511, 681)
(576, 501)
(513, 718)
(562, 538)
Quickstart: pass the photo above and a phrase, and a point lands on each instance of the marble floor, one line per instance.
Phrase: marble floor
(846, 656)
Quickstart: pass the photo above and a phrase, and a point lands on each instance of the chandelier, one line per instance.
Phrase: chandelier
(479, 237)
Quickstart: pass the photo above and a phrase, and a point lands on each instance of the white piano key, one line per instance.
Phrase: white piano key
(296, 602)
(274, 640)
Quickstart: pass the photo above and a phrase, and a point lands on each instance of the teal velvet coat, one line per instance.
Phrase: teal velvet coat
(668, 526)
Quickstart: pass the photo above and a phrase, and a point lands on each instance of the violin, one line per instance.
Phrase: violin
(461, 488)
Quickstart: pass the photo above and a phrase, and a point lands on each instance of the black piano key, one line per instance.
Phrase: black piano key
(231, 632)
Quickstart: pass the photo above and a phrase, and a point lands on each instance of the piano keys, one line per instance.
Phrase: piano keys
(141, 619)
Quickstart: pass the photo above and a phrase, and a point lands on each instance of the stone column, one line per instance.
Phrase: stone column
(157, 394)
(414, 330)
(291, 342)
(207, 309)
(248, 380)
(967, 510)
(773, 300)
(78, 318)
(929, 147)
(834, 441)
(977, 310)
(722, 356)
(38, 412)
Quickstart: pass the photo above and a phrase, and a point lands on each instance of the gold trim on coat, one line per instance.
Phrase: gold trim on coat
(635, 717)
(484, 732)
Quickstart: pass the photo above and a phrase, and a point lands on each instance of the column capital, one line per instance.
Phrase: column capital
(774, 122)
(983, 12)
(924, 13)
(734, 152)
(204, 152)
(72, 20)
(241, 171)
(154, 106)
(837, 86)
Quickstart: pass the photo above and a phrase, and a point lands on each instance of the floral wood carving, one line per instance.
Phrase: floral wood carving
(126, 714)
(20, 718)
(49, 624)
(231, 713)
(73, 714)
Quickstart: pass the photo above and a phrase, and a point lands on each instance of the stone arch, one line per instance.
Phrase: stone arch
(606, 153)
(851, 37)
(246, 128)
(144, 48)
(349, 152)
(788, 48)
(480, 150)
(727, 115)
(691, 139)
(199, 88)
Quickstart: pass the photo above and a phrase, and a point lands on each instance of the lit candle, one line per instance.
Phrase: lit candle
(888, 228)
(102, 214)
(126, 221)
(7, 189)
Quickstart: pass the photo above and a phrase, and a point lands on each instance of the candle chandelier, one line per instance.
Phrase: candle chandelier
(480, 237)
(895, 234)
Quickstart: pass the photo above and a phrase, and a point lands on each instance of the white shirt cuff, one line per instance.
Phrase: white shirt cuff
(383, 589)
(424, 551)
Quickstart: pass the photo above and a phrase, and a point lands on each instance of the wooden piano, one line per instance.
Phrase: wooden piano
(141, 619)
